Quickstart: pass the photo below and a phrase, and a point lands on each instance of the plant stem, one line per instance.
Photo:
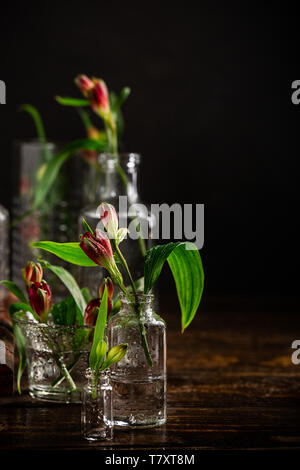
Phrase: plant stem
(94, 384)
(70, 367)
(66, 373)
(138, 308)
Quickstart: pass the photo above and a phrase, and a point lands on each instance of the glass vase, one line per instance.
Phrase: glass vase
(97, 408)
(4, 252)
(139, 390)
(55, 219)
(118, 176)
(57, 358)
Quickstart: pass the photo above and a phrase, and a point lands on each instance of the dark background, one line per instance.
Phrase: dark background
(210, 111)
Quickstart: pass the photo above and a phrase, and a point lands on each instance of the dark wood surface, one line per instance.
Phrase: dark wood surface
(231, 385)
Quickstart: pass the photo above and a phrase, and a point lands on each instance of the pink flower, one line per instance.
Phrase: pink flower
(32, 273)
(40, 298)
(109, 218)
(85, 85)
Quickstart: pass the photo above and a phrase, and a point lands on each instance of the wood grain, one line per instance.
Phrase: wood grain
(231, 385)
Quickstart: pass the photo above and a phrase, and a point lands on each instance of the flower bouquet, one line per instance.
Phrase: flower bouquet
(139, 379)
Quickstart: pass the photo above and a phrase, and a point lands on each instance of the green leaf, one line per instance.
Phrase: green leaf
(115, 354)
(66, 101)
(186, 266)
(99, 330)
(64, 312)
(68, 280)
(86, 226)
(37, 121)
(100, 354)
(14, 289)
(86, 294)
(20, 343)
(117, 102)
(53, 167)
(70, 252)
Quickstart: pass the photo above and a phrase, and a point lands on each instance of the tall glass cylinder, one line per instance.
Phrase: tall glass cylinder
(118, 177)
(139, 390)
(56, 218)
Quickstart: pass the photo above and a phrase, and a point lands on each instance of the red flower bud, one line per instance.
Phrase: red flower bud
(40, 298)
(100, 99)
(91, 312)
(109, 286)
(92, 309)
(85, 85)
(32, 273)
(98, 248)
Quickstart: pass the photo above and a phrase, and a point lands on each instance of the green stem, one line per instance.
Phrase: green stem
(138, 308)
(66, 373)
(70, 367)
(94, 384)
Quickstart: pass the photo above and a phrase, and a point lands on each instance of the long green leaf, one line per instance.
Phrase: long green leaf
(68, 280)
(99, 331)
(118, 101)
(20, 343)
(67, 101)
(53, 167)
(37, 121)
(70, 252)
(14, 289)
(186, 266)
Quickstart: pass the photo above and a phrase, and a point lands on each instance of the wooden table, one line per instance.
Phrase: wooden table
(231, 386)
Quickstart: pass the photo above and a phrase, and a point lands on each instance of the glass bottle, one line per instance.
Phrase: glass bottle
(118, 177)
(56, 219)
(97, 409)
(139, 390)
(4, 251)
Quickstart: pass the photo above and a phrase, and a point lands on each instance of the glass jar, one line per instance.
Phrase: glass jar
(139, 390)
(97, 408)
(4, 251)
(118, 177)
(57, 358)
(56, 219)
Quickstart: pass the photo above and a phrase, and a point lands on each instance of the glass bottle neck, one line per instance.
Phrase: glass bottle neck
(118, 177)
(102, 379)
(129, 306)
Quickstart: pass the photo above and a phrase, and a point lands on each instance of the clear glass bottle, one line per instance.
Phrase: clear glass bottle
(118, 177)
(97, 409)
(139, 390)
(56, 219)
(4, 251)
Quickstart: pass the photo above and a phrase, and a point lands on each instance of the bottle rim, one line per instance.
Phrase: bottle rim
(130, 159)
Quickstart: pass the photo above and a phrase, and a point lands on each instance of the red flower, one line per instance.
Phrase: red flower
(95, 91)
(100, 99)
(98, 248)
(85, 85)
(32, 273)
(40, 298)
(91, 312)
(92, 309)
